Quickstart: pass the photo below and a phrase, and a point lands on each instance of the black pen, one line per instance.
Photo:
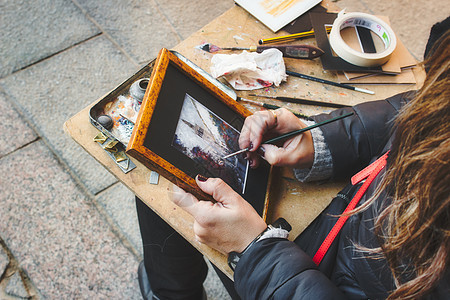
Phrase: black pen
(304, 76)
(292, 133)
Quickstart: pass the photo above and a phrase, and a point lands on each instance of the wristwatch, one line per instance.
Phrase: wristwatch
(234, 257)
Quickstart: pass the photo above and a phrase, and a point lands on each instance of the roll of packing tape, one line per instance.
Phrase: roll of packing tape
(373, 23)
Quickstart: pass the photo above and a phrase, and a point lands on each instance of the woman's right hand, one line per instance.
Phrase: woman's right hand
(296, 152)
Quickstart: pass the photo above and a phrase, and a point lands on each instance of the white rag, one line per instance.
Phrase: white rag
(250, 70)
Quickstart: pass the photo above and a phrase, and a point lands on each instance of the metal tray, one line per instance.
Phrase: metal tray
(123, 90)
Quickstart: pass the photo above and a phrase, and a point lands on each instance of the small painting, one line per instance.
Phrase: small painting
(205, 138)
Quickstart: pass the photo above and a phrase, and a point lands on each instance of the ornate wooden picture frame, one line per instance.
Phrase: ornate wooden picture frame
(187, 122)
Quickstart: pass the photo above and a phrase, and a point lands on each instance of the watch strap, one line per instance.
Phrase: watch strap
(234, 257)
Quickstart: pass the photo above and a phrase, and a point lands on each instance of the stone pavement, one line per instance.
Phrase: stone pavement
(68, 228)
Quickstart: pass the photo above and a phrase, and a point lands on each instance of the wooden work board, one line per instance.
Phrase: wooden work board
(298, 203)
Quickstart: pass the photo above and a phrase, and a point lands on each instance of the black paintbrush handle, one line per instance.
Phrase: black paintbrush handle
(304, 76)
(296, 132)
(302, 101)
(310, 102)
(291, 134)
(324, 81)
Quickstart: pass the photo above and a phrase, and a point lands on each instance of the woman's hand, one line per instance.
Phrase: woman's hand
(296, 152)
(228, 225)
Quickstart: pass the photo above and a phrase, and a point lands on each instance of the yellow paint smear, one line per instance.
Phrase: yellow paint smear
(278, 7)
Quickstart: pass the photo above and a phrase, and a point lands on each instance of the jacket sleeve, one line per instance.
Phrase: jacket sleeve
(354, 140)
(278, 269)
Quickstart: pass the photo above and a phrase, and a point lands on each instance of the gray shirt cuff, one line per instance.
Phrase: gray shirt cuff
(322, 167)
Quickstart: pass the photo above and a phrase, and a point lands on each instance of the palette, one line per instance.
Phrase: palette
(122, 105)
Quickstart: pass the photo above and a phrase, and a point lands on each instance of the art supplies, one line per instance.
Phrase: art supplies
(113, 115)
(406, 76)
(302, 101)
(291, 134)
(294, 51)
(290, 37)
(330, 61)
(274, 13)
(307, 77)
(370, 58)
(398, 70)
(123, 111)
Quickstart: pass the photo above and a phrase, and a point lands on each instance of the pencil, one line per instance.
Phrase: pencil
(304, 76)
(292, 133)
(289, 37)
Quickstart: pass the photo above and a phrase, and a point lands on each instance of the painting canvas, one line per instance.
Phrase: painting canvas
(275, 14)
(205, 138)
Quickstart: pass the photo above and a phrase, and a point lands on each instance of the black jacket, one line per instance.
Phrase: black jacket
(280, 269)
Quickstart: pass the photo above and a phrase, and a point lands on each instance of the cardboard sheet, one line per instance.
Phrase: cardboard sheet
(405, 77)
(303, 23)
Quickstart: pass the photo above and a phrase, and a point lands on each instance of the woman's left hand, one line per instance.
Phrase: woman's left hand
(228, 225)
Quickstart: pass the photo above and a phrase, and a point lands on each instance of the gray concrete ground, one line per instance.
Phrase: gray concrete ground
(68, 228)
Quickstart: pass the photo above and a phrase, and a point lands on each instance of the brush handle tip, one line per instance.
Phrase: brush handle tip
(364, 91)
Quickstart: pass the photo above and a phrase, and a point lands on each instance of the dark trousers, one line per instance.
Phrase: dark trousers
(176, 270)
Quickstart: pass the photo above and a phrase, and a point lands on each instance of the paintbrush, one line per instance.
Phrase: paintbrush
(291, 134)
(292, 51)
(324, 81)
(270, 106)
(302, 101)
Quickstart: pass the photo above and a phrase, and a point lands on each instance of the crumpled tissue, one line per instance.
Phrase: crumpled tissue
(250, 71)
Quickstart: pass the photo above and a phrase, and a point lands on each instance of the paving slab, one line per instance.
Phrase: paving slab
(33, 30)
(136, 26)
(15, 131)
(119, 203)
(353, 5)
(57, 235)
(187, 18)
(412, 20)
(52, 91)
(214, 288)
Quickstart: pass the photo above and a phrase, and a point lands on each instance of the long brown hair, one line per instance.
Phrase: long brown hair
(414, 229)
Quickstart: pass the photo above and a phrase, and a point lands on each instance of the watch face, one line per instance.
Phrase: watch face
(283, 224)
